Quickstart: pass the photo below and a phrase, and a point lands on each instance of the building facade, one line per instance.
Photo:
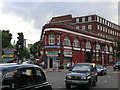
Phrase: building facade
(80, 39)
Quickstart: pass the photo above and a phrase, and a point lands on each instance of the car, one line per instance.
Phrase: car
(116, 66)
(82, 74)
(23, 77)
(101, 70)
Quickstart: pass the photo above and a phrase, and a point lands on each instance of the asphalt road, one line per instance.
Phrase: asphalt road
(109, 81)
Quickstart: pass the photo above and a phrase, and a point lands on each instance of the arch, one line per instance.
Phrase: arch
(66, 41)
(76, 43)
(88, 45)
(97, 46)
(111, 49)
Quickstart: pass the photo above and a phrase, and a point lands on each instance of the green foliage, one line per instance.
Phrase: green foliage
(26, 53)
(6, 39)
(35, 48)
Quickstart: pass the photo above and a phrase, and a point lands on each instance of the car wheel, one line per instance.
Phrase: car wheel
(102, 73)
(114, 69)
(68, 85)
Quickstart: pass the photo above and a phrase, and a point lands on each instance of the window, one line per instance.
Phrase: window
(110, 58)
(51, 39)
(97, 46)
(58, 39)
(66, 41)
(10, 79)
(83, 19)
(106, 48)
(111, 49)
(77, 27)
(76, 43)
(88, 45)
(90, 18)
(98, 19)
(77, 20)
(89, 27)
(98, 27)
(83, 27)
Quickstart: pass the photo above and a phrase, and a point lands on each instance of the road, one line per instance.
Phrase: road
(109, 81)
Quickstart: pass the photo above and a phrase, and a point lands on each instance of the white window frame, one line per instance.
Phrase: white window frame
(76, 43)
(51, 39)
(89, 27)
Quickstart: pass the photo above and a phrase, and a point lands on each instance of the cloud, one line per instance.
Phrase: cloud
(29, 17)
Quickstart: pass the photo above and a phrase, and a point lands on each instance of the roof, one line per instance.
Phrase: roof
(13, 66)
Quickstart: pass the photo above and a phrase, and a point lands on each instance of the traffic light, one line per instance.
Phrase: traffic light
(20, 44)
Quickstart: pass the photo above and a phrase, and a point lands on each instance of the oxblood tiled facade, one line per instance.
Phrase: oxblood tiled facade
(63, 43)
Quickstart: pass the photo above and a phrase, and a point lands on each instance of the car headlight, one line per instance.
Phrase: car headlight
(88, 77)
(68, 77)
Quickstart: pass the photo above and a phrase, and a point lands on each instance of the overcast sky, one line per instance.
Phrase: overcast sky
(29, 17)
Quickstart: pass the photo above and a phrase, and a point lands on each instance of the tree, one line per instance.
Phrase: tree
(26, 53)
(35, 49)
(6, 39)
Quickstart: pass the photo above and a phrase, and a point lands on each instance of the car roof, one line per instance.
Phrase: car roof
(85, 64)
(4, 67)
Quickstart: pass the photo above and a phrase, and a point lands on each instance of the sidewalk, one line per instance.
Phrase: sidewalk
(56, 70)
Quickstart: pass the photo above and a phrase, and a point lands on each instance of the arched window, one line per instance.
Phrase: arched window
(51, 39)
(111, 49)
(106, 48)
(88, 45)
(97, 46)
(66, 41)
(76, 43)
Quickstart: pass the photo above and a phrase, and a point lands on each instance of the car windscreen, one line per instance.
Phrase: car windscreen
(118, 63)
(81, 68)
(99, 67)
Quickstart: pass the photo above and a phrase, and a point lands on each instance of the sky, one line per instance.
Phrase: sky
(30, 16)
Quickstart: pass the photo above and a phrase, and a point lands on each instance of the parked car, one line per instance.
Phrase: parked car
(116, 66)
(82, 74)
(23, 77)
(101, 70)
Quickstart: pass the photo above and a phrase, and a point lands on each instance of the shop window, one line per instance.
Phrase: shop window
(51, 39)
(110, 58)
(76, 43)
(66, 41)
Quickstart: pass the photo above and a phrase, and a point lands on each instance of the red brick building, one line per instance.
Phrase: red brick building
(68, 39)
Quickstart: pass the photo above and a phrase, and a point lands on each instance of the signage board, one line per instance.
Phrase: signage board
(53, 46)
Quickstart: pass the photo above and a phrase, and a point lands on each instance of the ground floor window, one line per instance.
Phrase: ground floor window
(110, 58)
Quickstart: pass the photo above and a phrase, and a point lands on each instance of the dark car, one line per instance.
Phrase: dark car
(23, 77)
(82, 74)
(101, 70)
(116, 66)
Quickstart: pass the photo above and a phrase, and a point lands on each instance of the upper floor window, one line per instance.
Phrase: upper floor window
(89, 27)
(76, 43)
(88, 45)
(83, 27)
(110, 49)
(77, 27)
(97, 46)
(90, 18)
(58, 39)
(51, 39)
(98, 27)
(77, 20)
(106, 48)
(83, 19)
(66, 41)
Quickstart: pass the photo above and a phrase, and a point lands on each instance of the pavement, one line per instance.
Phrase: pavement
(66, 70)
(56, 70)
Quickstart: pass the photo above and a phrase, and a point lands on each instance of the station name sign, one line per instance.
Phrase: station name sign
(53, 46)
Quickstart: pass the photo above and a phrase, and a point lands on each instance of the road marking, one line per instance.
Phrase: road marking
(115, 72)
